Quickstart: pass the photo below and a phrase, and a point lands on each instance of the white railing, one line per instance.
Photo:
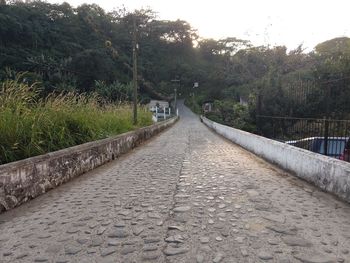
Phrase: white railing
(160, 113)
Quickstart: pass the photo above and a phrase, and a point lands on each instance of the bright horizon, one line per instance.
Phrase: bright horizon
(269, 22)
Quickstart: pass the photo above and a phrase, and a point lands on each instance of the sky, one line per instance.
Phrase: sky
(263, 22)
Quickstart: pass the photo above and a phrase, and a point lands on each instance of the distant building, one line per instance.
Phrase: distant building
(207, 106)
(157, 103)
(160, 109)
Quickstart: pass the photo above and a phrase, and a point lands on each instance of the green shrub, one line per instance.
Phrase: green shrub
(231, 113)
(30, 125)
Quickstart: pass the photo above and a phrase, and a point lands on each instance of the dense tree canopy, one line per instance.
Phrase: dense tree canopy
(87, 49)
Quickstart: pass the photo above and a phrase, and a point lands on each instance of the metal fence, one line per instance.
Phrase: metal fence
(302, 103)
(323, 136)
(306, 99)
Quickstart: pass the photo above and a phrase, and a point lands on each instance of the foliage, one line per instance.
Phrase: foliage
(194, 104)
(114, 92)
(74, 47)
(231, 113)
(86, 49)
(31, 125)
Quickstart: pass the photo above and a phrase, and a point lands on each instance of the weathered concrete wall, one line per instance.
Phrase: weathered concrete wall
(23, 180)
(329, 174)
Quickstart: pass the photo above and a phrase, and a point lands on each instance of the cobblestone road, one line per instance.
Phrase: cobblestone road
(188, 195)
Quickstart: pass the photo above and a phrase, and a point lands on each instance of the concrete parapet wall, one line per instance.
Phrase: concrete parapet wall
(23, 180)
(329, 174)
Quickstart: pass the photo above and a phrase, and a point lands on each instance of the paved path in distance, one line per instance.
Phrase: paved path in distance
(187, 195)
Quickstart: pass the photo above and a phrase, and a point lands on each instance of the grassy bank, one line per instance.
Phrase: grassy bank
(30, 125)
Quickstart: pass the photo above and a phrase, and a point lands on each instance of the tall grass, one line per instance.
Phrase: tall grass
(30, 125)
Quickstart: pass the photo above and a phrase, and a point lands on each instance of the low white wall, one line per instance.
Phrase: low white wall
(329, 174)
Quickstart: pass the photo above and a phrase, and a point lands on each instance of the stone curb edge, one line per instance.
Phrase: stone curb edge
(26, 179)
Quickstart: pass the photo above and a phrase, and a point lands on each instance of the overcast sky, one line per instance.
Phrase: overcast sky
(263, 22)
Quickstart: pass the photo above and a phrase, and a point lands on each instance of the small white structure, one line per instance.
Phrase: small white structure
(157, 103)
(243, 101)
(160, 109)
(207, 106)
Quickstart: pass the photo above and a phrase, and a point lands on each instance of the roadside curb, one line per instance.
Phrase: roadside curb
(26, 179)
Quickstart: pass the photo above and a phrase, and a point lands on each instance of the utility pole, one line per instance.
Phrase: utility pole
(195, 85)
(134, 69)
(175, 91)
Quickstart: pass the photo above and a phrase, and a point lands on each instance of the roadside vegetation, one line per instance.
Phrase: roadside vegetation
(32, 125)
(86, 50)
(262, 81)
